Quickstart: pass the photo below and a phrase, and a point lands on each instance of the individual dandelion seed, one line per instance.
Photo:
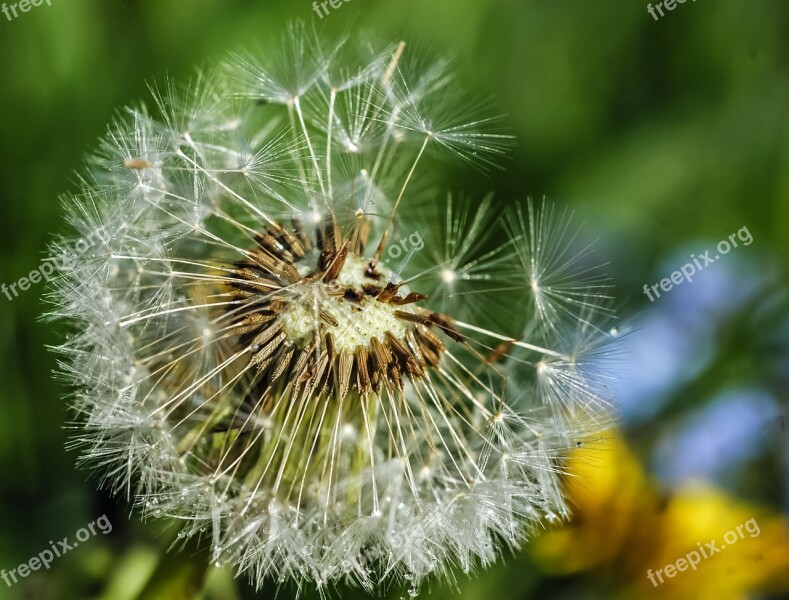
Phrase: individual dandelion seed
(244, 360)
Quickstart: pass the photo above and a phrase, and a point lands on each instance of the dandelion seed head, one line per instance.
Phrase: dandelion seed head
(245, 361)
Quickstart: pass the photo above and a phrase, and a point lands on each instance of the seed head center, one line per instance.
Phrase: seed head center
(347, 308)
(325, 319)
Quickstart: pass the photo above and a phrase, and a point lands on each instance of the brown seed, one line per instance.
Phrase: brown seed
(326, 316)
(344, 366)
(261, 358)
(398, 346)
(416, 352)
(430, 345)
(288, 240)
(275, 266)
(139, 164)
(265, 335)
(300, 243)
(336, 264)
(381, 355)
(501, 350)
(274, 246)
(389, 292)
(353, 295)
(283, 363)
(413, 317)
(363, 383)
(316, 375)
(395, 377)
(251, 323)
(444, 324)
(409, 299)
(370, 271)
(301, 362)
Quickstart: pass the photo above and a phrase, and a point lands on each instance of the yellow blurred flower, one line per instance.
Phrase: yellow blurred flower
(623, 528)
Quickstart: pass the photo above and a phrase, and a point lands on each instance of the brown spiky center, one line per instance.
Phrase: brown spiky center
(330, 320)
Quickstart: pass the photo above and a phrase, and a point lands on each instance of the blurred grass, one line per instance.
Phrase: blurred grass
(658, 134)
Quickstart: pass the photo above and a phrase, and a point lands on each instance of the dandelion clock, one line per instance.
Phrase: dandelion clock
(251, 359)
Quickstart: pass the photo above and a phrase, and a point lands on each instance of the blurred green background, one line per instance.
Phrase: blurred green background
(664, 137)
